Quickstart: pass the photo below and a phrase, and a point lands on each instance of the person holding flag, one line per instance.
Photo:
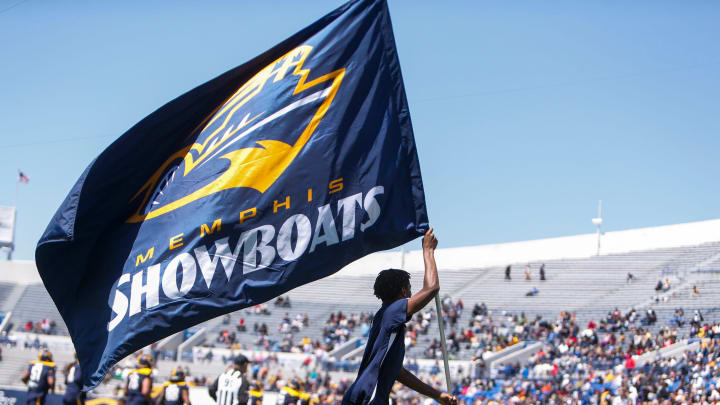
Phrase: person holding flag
(382, 362)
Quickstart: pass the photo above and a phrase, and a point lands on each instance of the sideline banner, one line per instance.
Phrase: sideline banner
(270, 176)
(19, 397)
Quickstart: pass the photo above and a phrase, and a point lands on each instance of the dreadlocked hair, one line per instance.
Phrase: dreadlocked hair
(389, 283)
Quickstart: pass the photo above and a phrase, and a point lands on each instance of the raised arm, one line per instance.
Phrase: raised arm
(409, 380)
(431, 283)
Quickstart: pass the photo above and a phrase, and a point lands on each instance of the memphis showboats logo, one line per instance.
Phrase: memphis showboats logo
(256, 167)
(228, 155)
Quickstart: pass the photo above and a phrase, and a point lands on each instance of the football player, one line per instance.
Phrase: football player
(138, 384)
(175, 391)
(40, 378)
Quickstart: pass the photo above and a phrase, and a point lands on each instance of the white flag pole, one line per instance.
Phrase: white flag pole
(442, 342)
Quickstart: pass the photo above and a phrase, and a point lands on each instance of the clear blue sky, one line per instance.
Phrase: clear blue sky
(525, 113)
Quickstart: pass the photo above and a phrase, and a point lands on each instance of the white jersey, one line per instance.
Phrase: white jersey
(232, 388)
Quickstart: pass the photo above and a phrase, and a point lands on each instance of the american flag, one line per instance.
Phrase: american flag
(23, 178)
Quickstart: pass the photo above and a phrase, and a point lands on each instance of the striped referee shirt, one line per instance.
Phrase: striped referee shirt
(231, 388)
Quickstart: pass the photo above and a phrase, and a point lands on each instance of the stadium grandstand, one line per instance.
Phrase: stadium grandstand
(638, 319)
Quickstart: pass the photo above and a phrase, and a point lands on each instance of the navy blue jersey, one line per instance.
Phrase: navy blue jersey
(289, 396)
(134, 386)
(38, 386)
(73, 385)
(383, 358)
(173, 393)
(255, 397)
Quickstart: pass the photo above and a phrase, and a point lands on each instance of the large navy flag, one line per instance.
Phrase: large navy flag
(270, 176)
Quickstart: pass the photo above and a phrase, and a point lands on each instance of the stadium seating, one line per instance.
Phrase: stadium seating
(589, 287)
(5, 292)
(35, 305)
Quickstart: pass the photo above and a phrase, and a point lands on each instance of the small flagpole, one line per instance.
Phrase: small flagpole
(442, 342)
(15, 201)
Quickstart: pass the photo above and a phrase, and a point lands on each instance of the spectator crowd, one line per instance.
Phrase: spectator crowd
(609, 360)
(575, 365)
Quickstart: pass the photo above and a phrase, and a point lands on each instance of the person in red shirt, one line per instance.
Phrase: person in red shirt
(629, 362)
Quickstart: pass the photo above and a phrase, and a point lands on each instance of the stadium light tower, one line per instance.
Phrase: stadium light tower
(598, 223)
(7, 230)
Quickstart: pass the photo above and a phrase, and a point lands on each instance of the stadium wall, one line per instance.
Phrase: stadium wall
(22, 272)
(567, 247)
